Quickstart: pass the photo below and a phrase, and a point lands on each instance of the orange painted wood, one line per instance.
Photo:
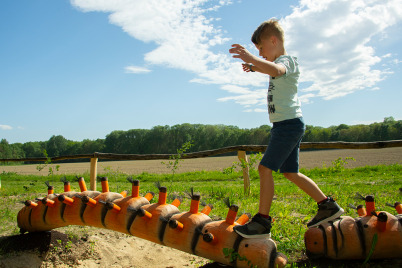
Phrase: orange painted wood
(150, 229)
(127, 214)
(183, 239)
(353, 238)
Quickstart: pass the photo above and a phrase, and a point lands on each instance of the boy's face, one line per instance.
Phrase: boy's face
(267, 48)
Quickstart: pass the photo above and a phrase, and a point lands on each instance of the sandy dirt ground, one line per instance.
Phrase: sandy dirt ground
(91, 247)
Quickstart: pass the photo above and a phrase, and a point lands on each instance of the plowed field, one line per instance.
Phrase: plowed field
(308, 159)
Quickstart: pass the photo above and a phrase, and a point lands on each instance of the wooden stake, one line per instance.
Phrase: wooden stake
(243, 159)
(93, 173)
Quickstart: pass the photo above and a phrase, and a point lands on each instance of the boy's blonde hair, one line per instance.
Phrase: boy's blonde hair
(267, 29)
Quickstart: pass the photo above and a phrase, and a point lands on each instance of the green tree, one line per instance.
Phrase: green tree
(33, 149)
(56, 146)
(5, 150)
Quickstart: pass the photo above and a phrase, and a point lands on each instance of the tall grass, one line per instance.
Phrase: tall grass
(291, 208)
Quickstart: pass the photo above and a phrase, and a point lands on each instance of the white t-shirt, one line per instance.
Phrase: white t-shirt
(283, 103)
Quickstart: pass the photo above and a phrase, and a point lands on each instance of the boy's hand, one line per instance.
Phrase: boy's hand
(247, 67)
(241, 53)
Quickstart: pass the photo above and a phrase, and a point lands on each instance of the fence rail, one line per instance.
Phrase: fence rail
(240, 149)
(207, 153)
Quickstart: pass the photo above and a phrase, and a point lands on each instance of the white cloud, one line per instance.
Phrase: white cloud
(236, 89)
(185, 34)
(256, 110)
(136, 69)
(182, 31)
(6, 127)
(332, 40)
(330, 37)
(247, 98)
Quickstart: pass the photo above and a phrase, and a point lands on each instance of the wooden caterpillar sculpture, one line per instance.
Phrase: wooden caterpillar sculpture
(349, 238)
(193, 231)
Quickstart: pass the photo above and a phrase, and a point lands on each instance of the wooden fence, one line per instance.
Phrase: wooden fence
(240, 149)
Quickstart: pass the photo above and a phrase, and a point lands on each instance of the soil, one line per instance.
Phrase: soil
(308, 159)
(75, 246)
(89, 247)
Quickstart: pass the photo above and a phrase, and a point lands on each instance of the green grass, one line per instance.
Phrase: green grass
(291, 208)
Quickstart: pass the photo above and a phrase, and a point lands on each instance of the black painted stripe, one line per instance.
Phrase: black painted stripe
(324, 237)
(162, 228)
(341, 233)
(236, 245)
(62, 208)
(104, 211)
(131, 219)
(82, 210)
(334, 238)
(197, 234)
(272, 257)
(361, 235)
(164, 222)
(133, 210)
(44, 214)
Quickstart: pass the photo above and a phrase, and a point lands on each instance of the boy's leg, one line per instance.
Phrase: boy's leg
(284, 139)
(328, 209)
(260, 224)
(266, 189)
(307, 185)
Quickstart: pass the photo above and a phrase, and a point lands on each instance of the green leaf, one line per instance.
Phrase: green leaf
(373, 244)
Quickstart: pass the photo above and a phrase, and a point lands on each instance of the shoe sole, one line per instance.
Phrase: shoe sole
(254, 236)
(333, 217)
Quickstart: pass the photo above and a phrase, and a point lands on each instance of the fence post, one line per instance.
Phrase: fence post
(93, 173)
(246, 178)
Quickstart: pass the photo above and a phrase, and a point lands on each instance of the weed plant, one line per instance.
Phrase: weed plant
(291, 208)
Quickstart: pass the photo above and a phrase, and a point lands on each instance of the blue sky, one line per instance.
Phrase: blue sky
(83, 68)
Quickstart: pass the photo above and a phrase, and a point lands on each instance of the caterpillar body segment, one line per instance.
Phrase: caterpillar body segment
(33, 218)
(54, 209)
(95, 215)
(250, 249)
(121, 222)
(349, 238)
(158, 222)
(389, 232)
(151, 221)
(216, 235)
(260, 252)
(185, 228)
(73, 214)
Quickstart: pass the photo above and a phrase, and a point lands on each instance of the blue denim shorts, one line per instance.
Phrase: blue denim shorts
(284, 144)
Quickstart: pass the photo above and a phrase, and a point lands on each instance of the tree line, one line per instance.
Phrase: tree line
(167, 139)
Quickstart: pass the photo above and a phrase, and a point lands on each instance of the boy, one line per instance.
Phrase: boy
(288, 128)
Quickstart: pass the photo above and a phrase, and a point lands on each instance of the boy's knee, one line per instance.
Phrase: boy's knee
(262, 169)
(289, 176)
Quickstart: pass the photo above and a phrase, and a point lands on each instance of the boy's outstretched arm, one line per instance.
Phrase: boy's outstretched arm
(259, 65)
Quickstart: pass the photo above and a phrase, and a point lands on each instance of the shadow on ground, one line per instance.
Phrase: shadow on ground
(41, 242)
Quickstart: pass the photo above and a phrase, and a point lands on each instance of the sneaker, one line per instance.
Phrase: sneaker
(327, 211)
(258, 227)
